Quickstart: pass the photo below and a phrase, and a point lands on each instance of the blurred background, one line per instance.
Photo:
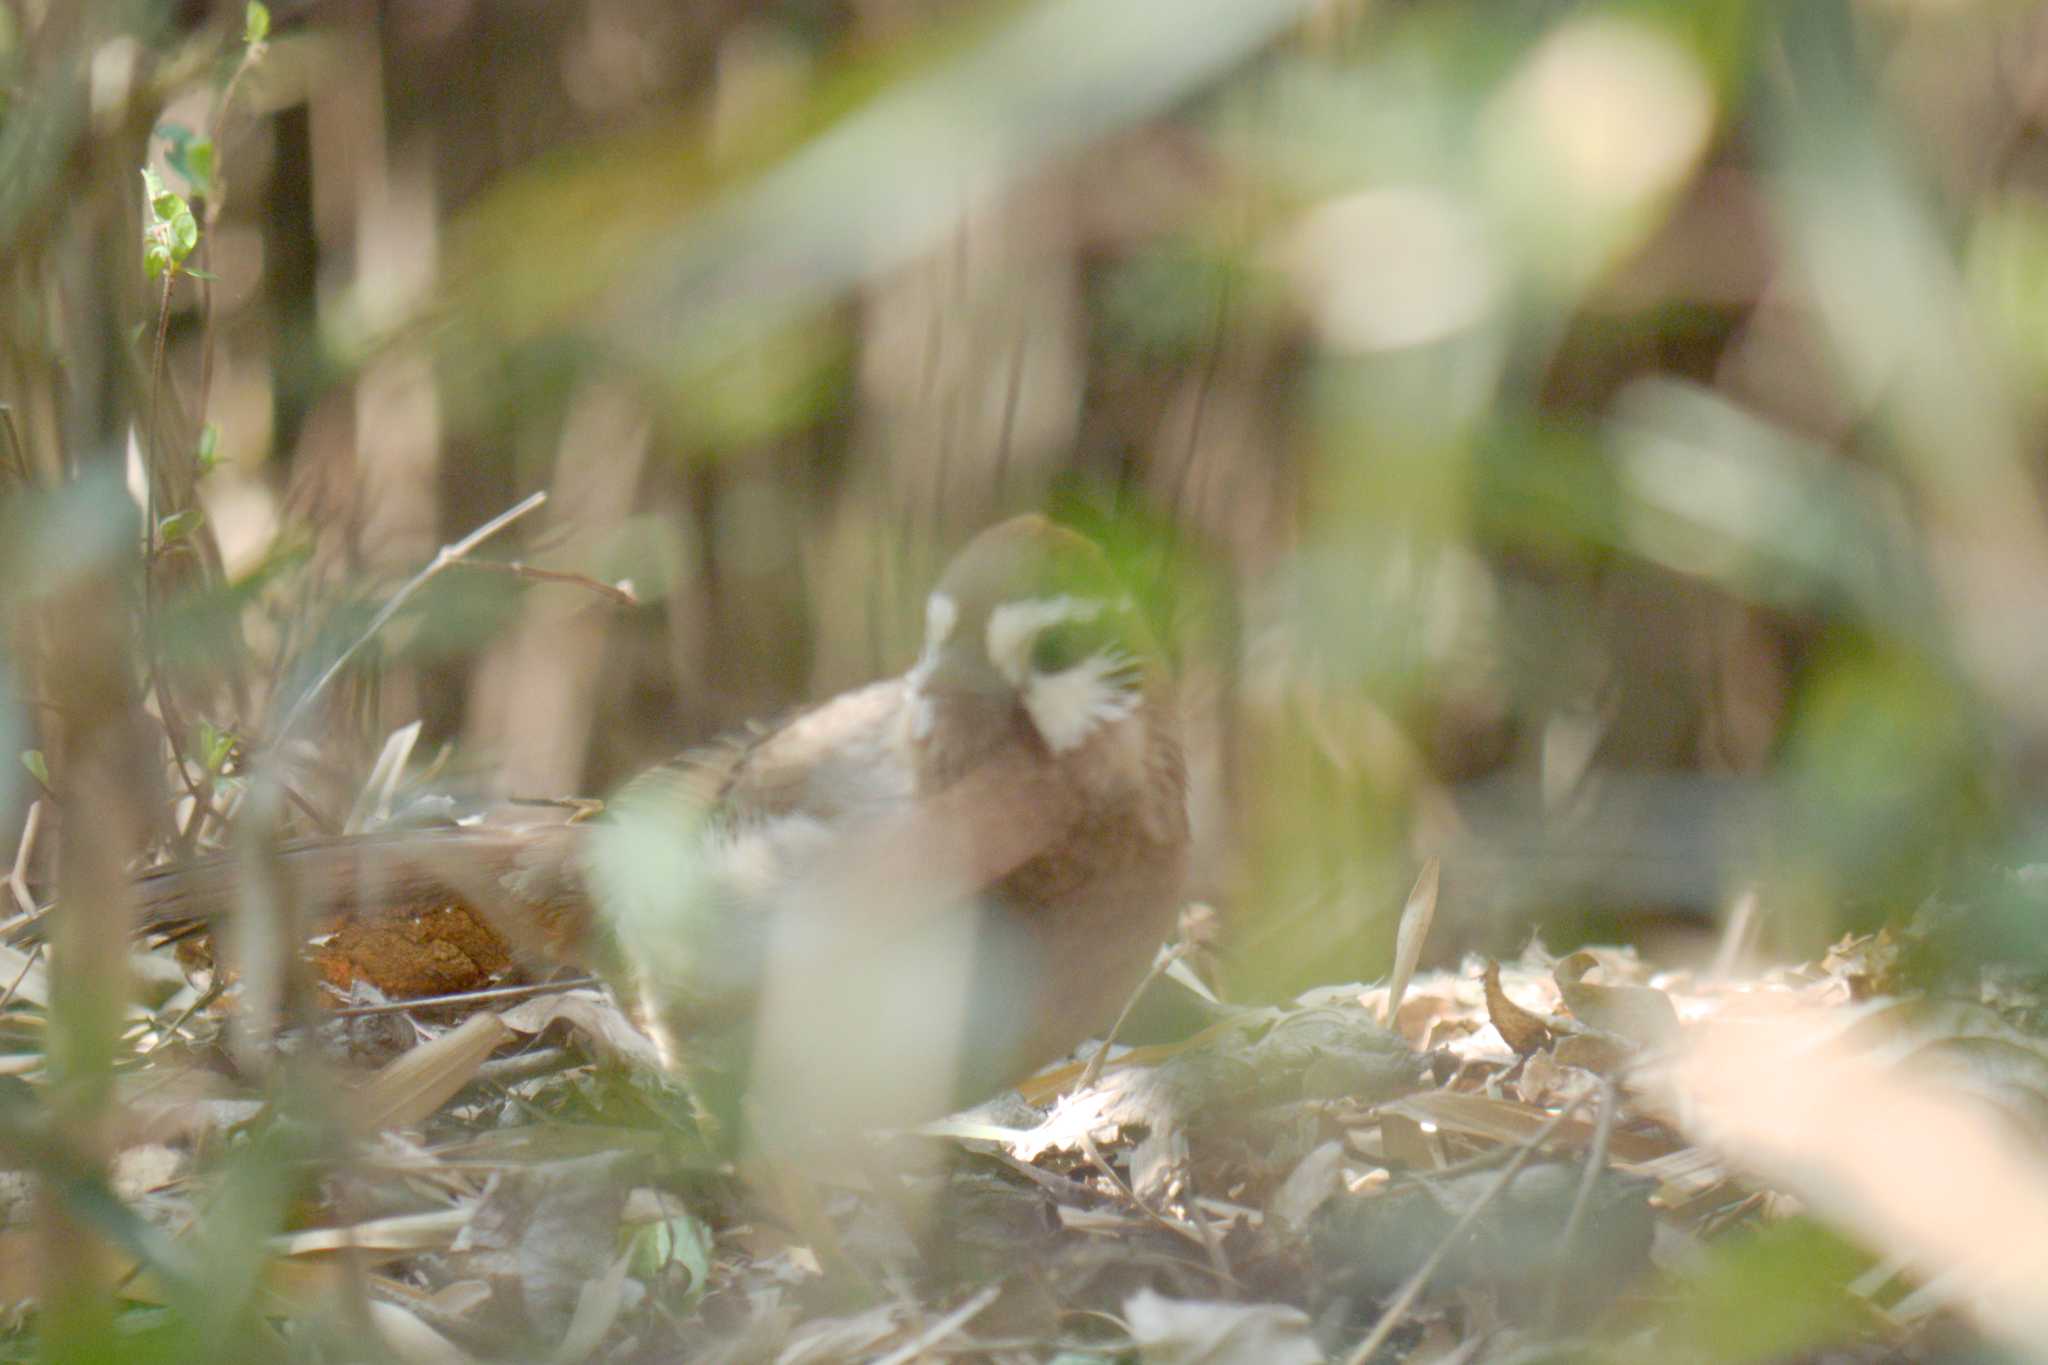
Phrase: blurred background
(1596, 444)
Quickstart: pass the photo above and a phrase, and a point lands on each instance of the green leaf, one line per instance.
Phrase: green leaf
(178, 525)
(207, 455)
(682, 1241)
(184, 231)
(215, 747)
(32, 759)
(194, 161)
(256, 27)
(172, 231)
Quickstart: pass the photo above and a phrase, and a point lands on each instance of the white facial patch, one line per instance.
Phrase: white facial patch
(1068, 706)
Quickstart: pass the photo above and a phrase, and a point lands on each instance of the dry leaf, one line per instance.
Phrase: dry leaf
(1640, 1014)
(1189, 1332)
(1508, 1121)
(400, 1236)
(597, 1308)
(1314, 1178)
(1526, 1033)
(1416, 917)
(411, 1341)
(593, 1015)
(422, 1080)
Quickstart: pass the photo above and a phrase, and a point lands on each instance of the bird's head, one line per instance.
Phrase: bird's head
(1029, 624)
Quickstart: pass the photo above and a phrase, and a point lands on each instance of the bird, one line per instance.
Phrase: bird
(901, 899)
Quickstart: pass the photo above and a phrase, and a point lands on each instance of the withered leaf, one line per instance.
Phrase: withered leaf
(1525, 1032)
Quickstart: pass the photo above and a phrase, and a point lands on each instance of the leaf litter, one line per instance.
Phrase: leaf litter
(1571, 1154)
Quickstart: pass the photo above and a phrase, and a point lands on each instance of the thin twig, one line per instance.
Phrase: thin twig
(1199, 1234)
(620, 592)
(943, 1328)
(17, 880)
(214, 990)
(448, 554)
(1417, 1282)
(1093, 1071)
(495, 993)
(1183, 477)
(167, 706)
(1596, 1161)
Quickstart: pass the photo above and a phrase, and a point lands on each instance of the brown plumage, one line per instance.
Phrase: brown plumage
(1001, 832)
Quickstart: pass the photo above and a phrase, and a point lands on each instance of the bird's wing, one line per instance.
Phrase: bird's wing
(845, 759)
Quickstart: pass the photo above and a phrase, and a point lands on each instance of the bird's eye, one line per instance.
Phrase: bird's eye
(1060, 646)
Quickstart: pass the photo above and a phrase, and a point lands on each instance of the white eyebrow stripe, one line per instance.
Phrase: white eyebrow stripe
(1013, 625)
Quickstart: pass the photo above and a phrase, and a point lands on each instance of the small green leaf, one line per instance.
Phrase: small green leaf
(184, 231)
(207, 455)
(256, 27)
(215, 747)
(172, 230)
(197, 274)
(178, 525)
(32, 759)
(680, 1241)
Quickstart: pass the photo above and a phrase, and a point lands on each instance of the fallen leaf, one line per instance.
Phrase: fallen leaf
(1641, 1014)
(1526, 1033)
(423, 1079)
(1195, 1332)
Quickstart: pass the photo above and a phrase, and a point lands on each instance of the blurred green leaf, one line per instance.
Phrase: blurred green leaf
(178, 525)
(190, 155)
(32, 759)
(2007, 273)
(683, 1241)
(207, 453)
(1889, 779)
(256, 23)
(215, 747)
(1776, 1293)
